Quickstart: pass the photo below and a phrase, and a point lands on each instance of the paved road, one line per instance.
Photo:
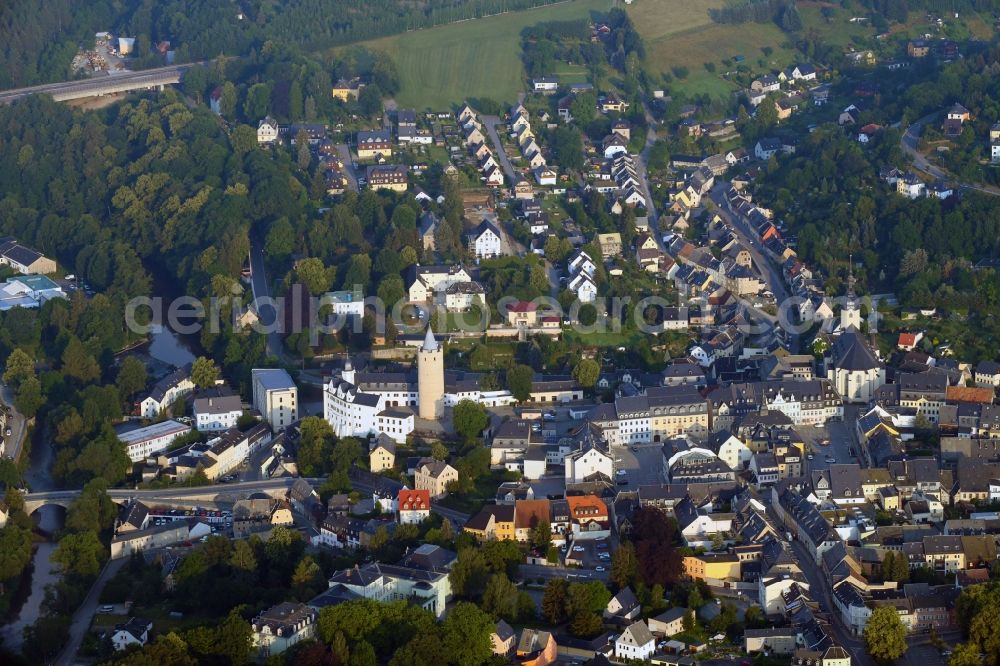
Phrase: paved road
(17, 424)
(266, 310)
(344, 151)
(85, 613)
(491, 122)
(640, 168)
(909, 141)
(538, 571)
(174, 493)
(765, 267)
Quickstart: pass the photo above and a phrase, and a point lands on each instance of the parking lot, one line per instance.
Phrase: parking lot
(642, 464)
(831, 443)
(591, 554)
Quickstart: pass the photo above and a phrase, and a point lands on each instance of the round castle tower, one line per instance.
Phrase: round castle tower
(430, 378)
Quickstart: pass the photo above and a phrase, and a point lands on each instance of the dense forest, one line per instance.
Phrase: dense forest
(39, 45)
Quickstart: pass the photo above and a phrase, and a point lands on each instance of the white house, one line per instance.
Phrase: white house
(545, 176)
(766, 148)
(282, 626)
(636, 642)
(583, 286)
(587, 463)
(546, 85)
(134, 632)
(581, 263)
(267, 130)
(217, 412)
(485, 241)
(734, 453)
(166, 391)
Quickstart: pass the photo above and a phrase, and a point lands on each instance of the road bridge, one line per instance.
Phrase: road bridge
(180, 496)
(102, 84)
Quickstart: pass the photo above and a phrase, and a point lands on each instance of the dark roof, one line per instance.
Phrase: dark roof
(851, 352)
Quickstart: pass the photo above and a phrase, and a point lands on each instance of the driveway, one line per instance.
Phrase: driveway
(491, 123)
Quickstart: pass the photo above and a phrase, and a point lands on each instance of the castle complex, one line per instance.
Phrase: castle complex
(360, 404)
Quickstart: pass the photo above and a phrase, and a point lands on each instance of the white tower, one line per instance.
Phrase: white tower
(430, 378)
(850, 314)
(347, 374)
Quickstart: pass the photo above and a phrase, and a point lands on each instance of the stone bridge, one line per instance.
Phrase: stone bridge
(180, 497)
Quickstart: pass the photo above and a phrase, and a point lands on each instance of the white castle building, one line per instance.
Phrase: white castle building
(359, 404)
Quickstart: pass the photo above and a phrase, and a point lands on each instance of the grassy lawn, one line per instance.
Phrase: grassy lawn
(476, 58)
(567, 73)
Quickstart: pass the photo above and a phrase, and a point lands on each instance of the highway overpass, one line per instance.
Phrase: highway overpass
(101, 84)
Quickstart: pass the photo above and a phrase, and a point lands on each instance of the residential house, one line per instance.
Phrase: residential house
(636, 642)
(623, 606)
(670, 622)
(165, 392)
(134, 632)
(381, 454)
(502, 639)
(267, 130)
(280, 627)
(485, 240)
(536, 648)
(766, 148)
(217, 410)
(414, 506)
(373, 144)
(392, 177)
(430, 590)
(434, 476)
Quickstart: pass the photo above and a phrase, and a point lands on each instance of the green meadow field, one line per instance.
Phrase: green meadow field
(471, 59)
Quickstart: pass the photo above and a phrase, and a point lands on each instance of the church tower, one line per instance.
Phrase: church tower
(430, 378)
(850, 314)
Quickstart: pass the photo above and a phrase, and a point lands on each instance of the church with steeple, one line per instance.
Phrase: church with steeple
(852, 365)
(360, 403)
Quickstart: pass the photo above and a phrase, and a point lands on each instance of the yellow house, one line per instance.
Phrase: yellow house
(712, 566)
(611, 244)
(494, 521)
(382, 455)
(345, 90)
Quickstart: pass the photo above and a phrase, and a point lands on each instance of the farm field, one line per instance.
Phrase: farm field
(471, 59)
(681, 34)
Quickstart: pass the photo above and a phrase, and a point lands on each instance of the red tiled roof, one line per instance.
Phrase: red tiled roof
(414, 500)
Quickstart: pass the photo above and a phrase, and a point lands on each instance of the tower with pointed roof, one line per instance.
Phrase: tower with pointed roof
(850, 314)
(430, 378)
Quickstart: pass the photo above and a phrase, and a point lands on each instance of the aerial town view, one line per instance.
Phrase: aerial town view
(538, 332)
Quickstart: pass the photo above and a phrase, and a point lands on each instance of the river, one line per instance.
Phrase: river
(49, 519)
(166, 348)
